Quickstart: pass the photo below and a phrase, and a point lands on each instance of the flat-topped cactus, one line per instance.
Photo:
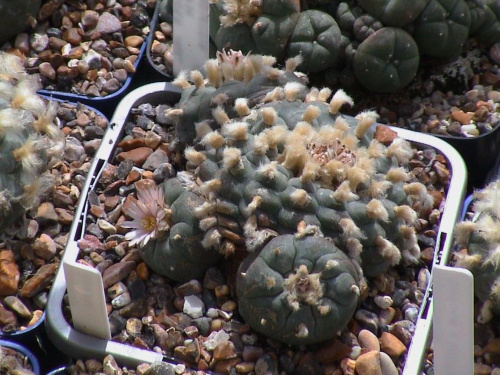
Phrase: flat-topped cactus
(29, 141)
(478, 248)
(299, 289)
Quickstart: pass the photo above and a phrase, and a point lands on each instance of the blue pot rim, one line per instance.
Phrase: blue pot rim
(22, 333)
(23, 350)
(99, 99)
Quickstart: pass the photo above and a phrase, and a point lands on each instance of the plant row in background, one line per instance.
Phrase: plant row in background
(380, 44)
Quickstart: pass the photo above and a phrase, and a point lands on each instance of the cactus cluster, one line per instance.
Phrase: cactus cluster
(274, 170)
(30, 142)
(477, 240)
(379, 43)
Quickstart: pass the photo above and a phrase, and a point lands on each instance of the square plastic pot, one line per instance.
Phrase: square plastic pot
(78, 344)
(479, 153)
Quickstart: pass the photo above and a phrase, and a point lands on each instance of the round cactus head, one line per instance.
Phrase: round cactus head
(299, 290)
(387, 60)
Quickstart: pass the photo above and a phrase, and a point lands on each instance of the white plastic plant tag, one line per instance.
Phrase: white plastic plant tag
(453, 328)
(86, 300)
(191, 38)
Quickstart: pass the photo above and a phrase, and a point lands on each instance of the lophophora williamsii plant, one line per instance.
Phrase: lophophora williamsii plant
(380, 44)
(478, 249)
(274, 174)
(30, 142)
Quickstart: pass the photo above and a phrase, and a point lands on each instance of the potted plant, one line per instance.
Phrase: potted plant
(219, 131)
(348, 44)
(41, 169)
(474, 256)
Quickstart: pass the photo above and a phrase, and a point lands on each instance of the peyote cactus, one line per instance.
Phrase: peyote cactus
(286, 168)
(298, 289)
(29, 141)
(478, 240)
(433, 29)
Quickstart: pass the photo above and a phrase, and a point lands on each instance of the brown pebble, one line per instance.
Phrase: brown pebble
(225, 366)
(368, 340)
(493, 346)
(72, 36)
(482, 369)
(461, 117)
(142, 271)
(133, 41)
(44, 247)
(224, 350)
(138, 155)
(384, 135)
(9, 273)
(391, 345)
(42, 279)
(133, 176)
(117, 272)
(369, 363)
(7, 317)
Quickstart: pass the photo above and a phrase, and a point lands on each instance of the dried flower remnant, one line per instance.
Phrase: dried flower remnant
(149, 214)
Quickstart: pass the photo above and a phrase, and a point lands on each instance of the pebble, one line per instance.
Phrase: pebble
(391, 345)
(44, 247)
(16, 305)
(193, 306)
(368, 340)
(117, 272)
(9, 273)
(108, 24)
(42, 279)
(369, 364)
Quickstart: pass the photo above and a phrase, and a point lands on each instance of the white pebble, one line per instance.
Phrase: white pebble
(470, 129)
(179, 369)
(214, 339)
(383, 301)
(193, 306)
(121, 301)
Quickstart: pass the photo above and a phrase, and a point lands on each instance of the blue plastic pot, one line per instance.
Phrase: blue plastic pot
(25, 352)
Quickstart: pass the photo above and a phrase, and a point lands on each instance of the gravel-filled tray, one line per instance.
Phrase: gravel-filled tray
(32, 248)
(219, 339)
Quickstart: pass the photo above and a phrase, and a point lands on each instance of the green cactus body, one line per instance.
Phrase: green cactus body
(291, 170)
(298, 290)
(396, 13)
(488, 32)
(477, 15)
(442, 28)
(29, 142)
(387, 60)
(316, 38)
(259, 27)
(183, 242)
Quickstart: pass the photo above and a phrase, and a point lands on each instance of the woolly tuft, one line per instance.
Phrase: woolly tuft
(338, 100)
